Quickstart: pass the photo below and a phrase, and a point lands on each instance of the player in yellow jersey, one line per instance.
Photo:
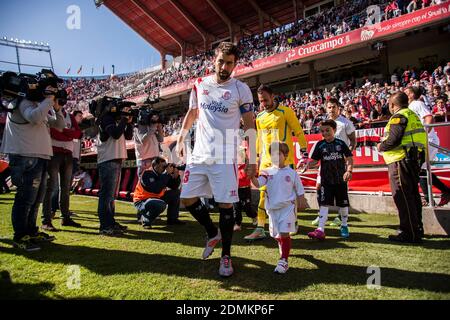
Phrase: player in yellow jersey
(275, 123)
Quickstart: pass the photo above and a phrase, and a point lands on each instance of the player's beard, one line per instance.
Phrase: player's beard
(224, 75)
(269, 107)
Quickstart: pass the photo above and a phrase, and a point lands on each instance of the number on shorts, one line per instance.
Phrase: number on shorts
(186, 176)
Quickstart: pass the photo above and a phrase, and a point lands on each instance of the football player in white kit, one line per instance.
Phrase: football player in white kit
(218, 101)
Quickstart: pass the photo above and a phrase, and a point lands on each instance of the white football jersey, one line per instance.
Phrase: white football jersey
(219, 112)
(422, 111)
(344, 128)
(283, 186)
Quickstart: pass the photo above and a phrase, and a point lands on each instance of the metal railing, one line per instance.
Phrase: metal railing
(429, 162)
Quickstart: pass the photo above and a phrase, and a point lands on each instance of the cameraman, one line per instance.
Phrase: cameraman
(151, 196)
(60, 166)
(147, 137)
(27, 142)
(114, 129)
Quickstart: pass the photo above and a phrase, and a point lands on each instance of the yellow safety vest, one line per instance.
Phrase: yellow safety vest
(414, 135)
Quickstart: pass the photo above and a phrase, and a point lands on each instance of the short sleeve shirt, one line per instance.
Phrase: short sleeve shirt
(220, 108)
(332, 160)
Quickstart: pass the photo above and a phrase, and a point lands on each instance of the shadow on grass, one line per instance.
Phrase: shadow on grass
(250, 275)
(334, 240)
(30, 291)
(310, 216)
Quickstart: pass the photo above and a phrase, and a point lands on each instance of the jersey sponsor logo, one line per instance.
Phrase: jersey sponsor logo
(226, 95)
(214, 106)
(332, 156)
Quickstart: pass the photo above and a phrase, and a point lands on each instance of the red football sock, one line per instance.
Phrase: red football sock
(285, 247)
(279, 244)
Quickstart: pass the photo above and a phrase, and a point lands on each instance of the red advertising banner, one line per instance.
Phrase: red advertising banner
(370, 173)
(368, 33)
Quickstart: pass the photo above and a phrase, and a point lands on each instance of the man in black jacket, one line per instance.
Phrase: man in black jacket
(157, 189)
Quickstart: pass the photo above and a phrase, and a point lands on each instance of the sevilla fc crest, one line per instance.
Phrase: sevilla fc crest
(227, 95)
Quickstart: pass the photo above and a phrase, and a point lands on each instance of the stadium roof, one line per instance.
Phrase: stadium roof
(185, 27)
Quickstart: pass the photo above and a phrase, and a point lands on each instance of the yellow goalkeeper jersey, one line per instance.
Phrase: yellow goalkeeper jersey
(277, 125)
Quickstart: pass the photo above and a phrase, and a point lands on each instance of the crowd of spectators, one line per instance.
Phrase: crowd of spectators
(398, 7)
(334, 21)
(328, 23)
(366, 104)
(82, 90)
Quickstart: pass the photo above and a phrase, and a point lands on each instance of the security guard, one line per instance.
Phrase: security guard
(403, 148)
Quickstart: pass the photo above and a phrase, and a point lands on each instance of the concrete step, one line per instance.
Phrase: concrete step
(436, 221)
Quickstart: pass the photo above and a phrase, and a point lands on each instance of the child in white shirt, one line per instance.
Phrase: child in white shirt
(284, 187)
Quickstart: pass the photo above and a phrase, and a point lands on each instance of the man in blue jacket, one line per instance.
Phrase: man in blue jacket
(157, 189)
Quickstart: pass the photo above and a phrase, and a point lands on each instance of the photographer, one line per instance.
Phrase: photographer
(114, 128)
(61, 164)
(148, 134)
(151, 196)
(27, 142)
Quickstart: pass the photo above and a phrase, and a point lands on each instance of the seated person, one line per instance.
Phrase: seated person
(152, 196)
(440, 111)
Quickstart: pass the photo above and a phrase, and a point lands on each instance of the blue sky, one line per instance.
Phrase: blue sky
(103, 39)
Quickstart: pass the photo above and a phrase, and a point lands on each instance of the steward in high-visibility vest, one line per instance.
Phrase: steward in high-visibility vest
(414, 135)
(157, 189)
(403, 146)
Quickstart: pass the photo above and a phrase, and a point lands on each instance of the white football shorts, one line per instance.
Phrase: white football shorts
(207, 180)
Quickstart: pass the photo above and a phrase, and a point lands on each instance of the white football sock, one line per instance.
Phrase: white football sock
(323, 217)
(343, 211)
